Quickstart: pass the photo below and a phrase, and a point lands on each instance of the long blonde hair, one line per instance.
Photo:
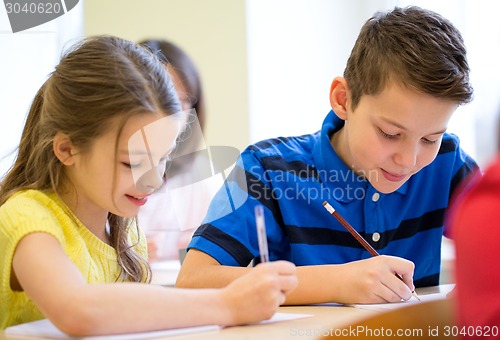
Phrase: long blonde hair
(100, 78)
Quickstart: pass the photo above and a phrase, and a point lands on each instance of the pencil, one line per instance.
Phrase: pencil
(261, 234)
(358, 237)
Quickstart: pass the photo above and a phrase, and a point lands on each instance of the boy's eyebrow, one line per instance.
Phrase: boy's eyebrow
(406, 129)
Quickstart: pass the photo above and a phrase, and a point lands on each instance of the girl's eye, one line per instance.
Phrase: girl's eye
(130, 165)
(386, 135)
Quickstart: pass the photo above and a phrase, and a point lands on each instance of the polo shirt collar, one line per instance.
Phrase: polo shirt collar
(335, 175)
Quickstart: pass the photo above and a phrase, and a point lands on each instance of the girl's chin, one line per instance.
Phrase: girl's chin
(126, 213)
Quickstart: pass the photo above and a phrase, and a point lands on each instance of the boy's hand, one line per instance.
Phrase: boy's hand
(374, 280)
(257, 295)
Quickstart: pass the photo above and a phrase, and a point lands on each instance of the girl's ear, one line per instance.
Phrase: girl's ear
(339, 95)
(63, 149)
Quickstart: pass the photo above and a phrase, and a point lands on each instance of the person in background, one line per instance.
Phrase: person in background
(184, 74)
(177, 209)
(93, 149)
(475, 222)
(382, 160)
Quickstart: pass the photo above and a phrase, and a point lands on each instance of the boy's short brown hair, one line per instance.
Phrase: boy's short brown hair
(414, 47)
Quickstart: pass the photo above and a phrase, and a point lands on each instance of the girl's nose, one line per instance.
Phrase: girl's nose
(151, 180)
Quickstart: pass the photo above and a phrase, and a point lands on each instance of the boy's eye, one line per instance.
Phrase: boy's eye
(386, 135)
(428, 141)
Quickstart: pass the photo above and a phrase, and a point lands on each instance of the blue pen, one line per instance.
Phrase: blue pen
(261, 234)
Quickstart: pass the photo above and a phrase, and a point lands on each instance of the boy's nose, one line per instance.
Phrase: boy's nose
(407, 156)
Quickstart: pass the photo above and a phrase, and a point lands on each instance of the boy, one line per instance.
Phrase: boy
(382, 159)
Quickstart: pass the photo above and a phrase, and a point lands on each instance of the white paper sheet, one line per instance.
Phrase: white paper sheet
(413, 300)
(46, 329)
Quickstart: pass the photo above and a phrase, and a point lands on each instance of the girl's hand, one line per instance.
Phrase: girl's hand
(257, 295)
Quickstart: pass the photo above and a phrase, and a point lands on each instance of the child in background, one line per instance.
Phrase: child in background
(94, 147)
(474, 219)
(173, 213)
(382, 159)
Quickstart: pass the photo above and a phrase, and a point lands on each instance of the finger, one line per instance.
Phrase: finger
(281, 298)
(408, 287)
(405, 270)
(408, 280)
(383, 293)
(281, 267)
(398, 288)
(288, 283)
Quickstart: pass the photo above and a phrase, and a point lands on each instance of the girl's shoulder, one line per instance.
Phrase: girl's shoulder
(32, 195)
(33, 201)
(29, 207)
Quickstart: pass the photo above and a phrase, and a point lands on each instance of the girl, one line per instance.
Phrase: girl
(87, 160)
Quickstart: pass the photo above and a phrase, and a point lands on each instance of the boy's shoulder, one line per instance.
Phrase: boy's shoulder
(450, 143)
(451, 151)
(285, 146)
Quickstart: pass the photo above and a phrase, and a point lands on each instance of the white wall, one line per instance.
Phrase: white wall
(212, 32)
(295, 49)
(26, 60)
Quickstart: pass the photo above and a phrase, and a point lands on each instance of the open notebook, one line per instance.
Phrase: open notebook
(45, 329)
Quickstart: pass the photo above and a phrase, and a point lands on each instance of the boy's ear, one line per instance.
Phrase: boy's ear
(339, 94)
(63, 148)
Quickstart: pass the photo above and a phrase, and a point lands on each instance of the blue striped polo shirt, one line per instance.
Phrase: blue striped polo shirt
(292, 177)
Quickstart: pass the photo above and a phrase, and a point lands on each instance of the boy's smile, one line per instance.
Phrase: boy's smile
(390, 136)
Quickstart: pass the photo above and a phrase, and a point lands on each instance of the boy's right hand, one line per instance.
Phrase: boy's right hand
(257, 295)
(374, 280)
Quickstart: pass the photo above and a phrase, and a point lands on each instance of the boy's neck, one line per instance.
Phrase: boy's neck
(338, 146)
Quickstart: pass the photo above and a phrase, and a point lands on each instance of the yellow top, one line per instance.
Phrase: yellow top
(35, 211)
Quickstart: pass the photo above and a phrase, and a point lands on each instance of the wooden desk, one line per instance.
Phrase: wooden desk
(324, 321)
(324, 317)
